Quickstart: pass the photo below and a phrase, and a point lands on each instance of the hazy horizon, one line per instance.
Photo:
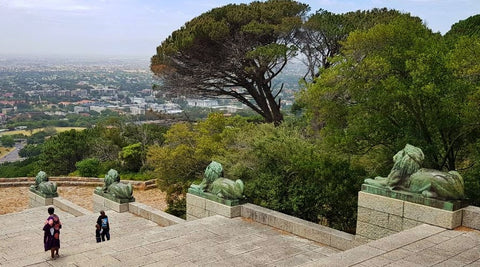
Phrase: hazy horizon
(134, 28)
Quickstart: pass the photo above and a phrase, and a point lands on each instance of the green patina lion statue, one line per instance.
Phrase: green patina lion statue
(44, 186)
(214, 183)
(114, 187)
(408, 175)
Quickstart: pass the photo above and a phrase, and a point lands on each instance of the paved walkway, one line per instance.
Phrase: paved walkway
(218, 241)
(213, 241)
(424, 245)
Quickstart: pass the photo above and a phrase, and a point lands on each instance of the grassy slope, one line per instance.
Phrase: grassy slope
(6, 150)
(27, 133)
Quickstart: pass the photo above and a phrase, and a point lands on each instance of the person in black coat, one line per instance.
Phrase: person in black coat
(104, 225)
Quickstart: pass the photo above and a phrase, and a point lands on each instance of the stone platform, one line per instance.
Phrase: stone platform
(212, 241)
(424, 245)
(380, 216)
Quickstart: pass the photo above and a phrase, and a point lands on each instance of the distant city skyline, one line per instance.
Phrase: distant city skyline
(134, 28)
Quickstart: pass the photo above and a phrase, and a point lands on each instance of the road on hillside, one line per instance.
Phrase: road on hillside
(13, 155)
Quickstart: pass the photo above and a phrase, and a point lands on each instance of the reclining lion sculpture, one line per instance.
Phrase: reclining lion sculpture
(43, 186)
(408, 175)
(114, 187)
(214, 183)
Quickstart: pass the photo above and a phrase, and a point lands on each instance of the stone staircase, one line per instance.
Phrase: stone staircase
(135, 241)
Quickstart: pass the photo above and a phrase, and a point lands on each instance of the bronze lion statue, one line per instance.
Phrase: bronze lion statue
(408, 175)
(43, 186)
(214, 183)
(114, 187)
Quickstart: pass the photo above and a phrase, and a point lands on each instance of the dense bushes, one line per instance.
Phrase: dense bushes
(282, 169)
(288, 172)
(18, 169)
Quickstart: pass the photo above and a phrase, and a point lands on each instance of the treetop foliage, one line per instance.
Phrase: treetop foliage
(238, 50)
(322, 33)
(468, 27)
(235, 51)
(398, 83)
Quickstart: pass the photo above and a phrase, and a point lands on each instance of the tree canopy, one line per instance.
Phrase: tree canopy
(394, 84)
(234, 51)
(467, 27)
(321, 36)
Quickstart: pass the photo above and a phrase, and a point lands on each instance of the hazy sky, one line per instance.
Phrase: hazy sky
(136, 27)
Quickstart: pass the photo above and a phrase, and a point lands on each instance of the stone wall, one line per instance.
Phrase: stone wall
(157, 216)
(73, 181)
(199, 207)
(63, 204)
(471, 217)
(302, 228)
(70, 207)
(102, 203)
(380, 216)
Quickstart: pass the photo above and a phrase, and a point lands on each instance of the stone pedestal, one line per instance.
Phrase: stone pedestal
(36, 200)
(103, 203)
(209, 205)
(471, 217)
(380, 216)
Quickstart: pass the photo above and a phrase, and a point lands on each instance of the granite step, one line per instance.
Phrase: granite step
(212, 241)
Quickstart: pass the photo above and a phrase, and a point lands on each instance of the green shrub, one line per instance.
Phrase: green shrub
(136, 176)
(7, 140)
(30, 151)
(105, 166)
(88, 167)
(287, 172)
(132, 157)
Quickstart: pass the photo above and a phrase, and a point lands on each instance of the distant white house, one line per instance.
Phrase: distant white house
(98, 109)
(203, 103)
(229, 109)
(80, 109)
(167, 108)
(138, 100)
(56, 113)
(134, 110)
